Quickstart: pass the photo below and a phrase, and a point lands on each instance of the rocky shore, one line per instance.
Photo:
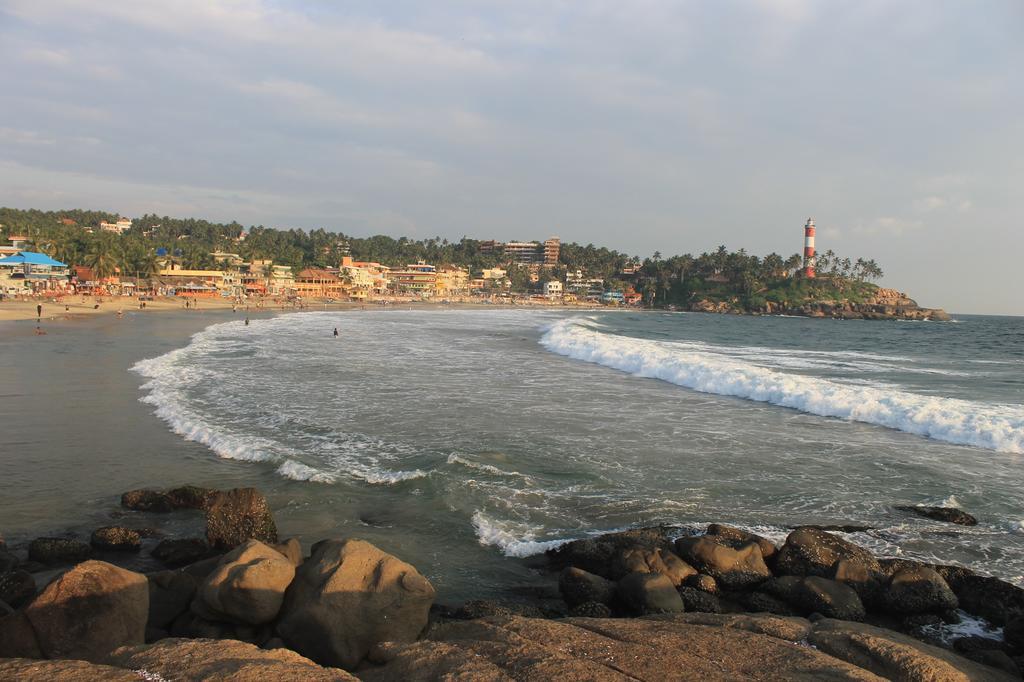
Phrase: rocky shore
(886, 304)
(649, 604)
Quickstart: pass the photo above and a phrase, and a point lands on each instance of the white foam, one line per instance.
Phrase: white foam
(486, 468)
(994, 427)
(969, 626)
(300, 472)
(514, 542)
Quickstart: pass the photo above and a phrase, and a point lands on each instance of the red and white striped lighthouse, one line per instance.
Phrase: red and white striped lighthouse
(809, 248)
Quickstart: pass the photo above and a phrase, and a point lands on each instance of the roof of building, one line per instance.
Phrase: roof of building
(31, 258)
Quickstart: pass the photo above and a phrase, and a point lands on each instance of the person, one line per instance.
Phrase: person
(39, 310)
(335, 331)
(39, 331)
(247, 322)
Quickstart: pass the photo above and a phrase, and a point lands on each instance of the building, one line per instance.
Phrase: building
(553, 289)
(319, 283)
(552, 249)
(526, 253)
(494, 273)
(418, 279)
(120, 227)
(173, 280)
(613, 298)
(809, 249)
(587, 287)
(17, 244)
(452, 281)
(35, 270)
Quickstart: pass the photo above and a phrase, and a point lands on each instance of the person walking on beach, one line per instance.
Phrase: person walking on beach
(39, 311)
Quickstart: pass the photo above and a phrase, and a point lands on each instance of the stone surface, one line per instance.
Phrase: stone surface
(734, 568)
(234, 516)
(946, 514)
(646, 560)
(17, 588)
(830, 599)
(918, 590)
(595, 554)
(8, 560)
(655, 649)
(170, 593)
(116, 538)
(721, 530)
(147, 501)
(991, 598)
(865, 582)
(247, 586)
(762, 602)
(189, 497)
(1013, 633)
(347, 598)
(28, 670)
(809, 551)
(290, 549)
(182, 551)
(644, 593)
(699, 601)
(17, 638)
(482, 608)
(196, 660)
(58, 551)
(578, 586)
(92, 609)
(591, 609)
(702, 582)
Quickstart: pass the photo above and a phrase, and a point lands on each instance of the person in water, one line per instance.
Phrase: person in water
(335, 331)
(247, 322)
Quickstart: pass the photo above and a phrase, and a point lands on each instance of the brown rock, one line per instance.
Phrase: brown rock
(809, 551)
(733, 568)
(28, 670)
(578, 587)
(58, 551)
(17, 638)
(196, 660)
(17, 588)
(170, 593)
(189, 497)
(829, 598)
(147, 501)
(247, 586)
(348, 597)
(644, 593)
(918, 590)
(182, 551)
(234, 516)
(702, 582)
(92, 609)
(768, 548)
(595, 554)
(291, 549)
(657, 560)
(116, 538)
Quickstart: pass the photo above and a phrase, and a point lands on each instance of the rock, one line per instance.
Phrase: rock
(644, 593)
(947, 514)
(147, 501)
(116, 538)
(188, 660)
(8, 561)
(17, 638)
(699, 601)
(17, 588)
(953, 575)
(994, 600)
(234, 516)
(291, 549)
(189, 497)
(657, 560)
(786, 587)
(591, 609)
(762, 602)
(1013, 633)
(733, 568)
(247, 586)
(594, 555)
(702, 582)
(578, 586)
(830, 599)
(645, 649)
(919, 590)
(965, 645)
(895, 656)
(482, 608)
(349, 596)
(28, 670)
(170, 593)
(857, 575)
(809, 551)
(994, 658)
(58, 551)
(837, 527)
(5, 609)
(92, 609)
(181, 552)
(721, 530)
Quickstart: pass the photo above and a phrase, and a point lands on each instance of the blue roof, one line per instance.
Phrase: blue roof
(31, 258)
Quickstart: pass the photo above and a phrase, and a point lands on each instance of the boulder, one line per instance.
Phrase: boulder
(234, 516)
(699, 601)
(657, 560)
(726, 532)
(918, 590)
(58, 551)
(290, 549)
(702, 582)
(17, 588)
(17, 638)
(170, 593)
(946, 514)
(591, 609)
(594, 555)
(28, 670)
(829, 598)
(762, 602)
(348, 597)
(116, 538)
(182, 551)
(482, 608)
(188, 660)
(578, 587)
(809, 551)
(733, 568)
(92, 609)
(189, 497)
(991, 598)
(8, 561)
(1013, 633)
(857, 575)
(247, 586)
(644, 593)
(147, 501)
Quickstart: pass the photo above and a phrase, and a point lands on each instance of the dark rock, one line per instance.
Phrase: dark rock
(8, 561)
(699, 601)
(578, 586)
(786, 587)
(17, 638)
(761, 602)
(1013, 633)
(116, 538)
(994, 600)
(733, 568)
(994, 658)
(644, 593)
(838, 528)
(183, 551)
(147, 501)
(920, 620)
(830, 599)
(591, 609)
(918, 590)
(721, 530)
(234, 516)
(953, 575)
(813, 552)
(17, 588)
(58, 551)
(170, 593)
(702, 582)
(595, 555)
(5, 609)
(946, 514)
(189, 497)
(974, 643)
(482, 608)
(855, 574)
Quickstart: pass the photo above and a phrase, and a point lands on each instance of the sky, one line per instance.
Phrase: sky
(642, 126)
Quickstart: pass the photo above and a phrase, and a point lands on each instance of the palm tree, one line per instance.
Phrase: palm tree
(102, 258)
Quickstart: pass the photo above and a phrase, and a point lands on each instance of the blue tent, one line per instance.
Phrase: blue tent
(31, 258)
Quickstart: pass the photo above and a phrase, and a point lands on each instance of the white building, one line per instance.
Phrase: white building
(553, 288)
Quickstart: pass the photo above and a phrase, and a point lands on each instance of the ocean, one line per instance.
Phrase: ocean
(457, 438)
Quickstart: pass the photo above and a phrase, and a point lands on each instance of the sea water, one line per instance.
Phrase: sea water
(457, 437)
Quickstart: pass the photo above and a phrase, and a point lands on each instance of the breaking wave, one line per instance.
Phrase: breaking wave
(513, 539)
(962, 422)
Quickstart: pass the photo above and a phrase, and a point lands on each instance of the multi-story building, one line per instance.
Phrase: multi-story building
(526, 253)
(120, 227)
(319, 282)
(552, 249)
(419, 279)
(494, 273)
(553, 289)
(452, 281)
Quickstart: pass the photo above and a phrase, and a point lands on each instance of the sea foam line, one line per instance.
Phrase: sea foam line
(993, 427)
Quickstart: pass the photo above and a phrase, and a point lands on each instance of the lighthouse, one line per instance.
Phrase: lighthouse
(809, 248)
